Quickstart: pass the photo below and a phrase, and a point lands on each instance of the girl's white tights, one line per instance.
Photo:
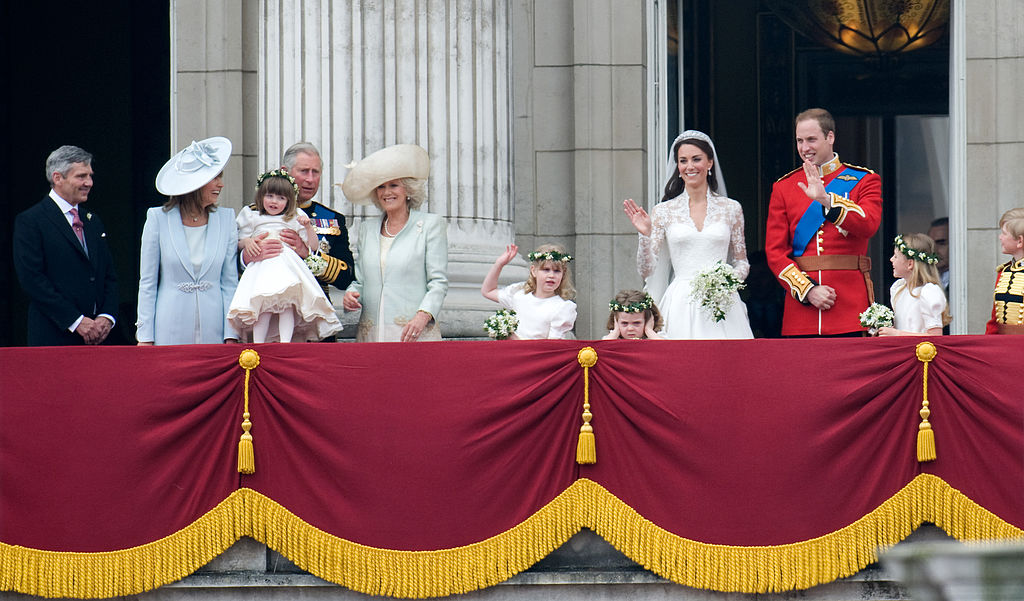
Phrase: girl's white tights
(285, 325)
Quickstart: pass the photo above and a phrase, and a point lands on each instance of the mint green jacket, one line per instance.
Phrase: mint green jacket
(416, 277)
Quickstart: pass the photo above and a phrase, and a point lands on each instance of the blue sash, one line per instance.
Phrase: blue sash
(813, 216)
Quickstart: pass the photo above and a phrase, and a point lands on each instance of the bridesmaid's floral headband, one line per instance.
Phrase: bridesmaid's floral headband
(913, 253)
(639, 307)
(550, 255)
(283, 173)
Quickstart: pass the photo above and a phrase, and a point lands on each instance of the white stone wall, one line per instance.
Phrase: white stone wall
(354, 76)
(213, 84)
(579, 93)
(573, 81)
(995, 142)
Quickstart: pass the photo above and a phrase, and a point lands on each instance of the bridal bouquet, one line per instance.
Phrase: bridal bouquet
(317, 264)
(502, 324)
(713, 289)
(876, 316)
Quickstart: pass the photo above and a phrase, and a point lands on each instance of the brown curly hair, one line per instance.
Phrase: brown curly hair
(628, 297)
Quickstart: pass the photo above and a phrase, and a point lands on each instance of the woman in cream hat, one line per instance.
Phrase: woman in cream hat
(402, 272)
(187, 269)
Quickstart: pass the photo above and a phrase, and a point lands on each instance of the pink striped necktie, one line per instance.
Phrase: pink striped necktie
(78, 226)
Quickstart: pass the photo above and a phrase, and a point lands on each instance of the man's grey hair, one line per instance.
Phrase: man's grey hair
(293, 152)
(61, 160)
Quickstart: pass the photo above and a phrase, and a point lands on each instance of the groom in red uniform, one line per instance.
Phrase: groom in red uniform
(820, 219)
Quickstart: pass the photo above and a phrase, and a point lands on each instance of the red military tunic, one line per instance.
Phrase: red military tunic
(848, 226)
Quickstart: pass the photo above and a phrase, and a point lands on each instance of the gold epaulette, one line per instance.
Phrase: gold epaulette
(859, 168)
(800, 168)
(1011, 265)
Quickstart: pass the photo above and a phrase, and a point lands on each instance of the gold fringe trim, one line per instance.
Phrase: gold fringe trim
(799, 565)
(422, 574)
(126, 571)
(925, 435)
(586, 445)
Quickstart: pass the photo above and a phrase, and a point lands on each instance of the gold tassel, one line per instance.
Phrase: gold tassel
(925, 435)
(249, 359)
(586, 446)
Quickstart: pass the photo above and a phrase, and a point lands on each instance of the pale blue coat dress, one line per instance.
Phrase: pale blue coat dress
(179, 304)
(415, 277)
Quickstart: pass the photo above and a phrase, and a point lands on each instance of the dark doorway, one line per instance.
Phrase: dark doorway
(96, 75)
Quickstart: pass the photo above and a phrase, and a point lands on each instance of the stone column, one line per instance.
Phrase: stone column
(213, 85)
(993, 75)
(580, 149)
(354, 76)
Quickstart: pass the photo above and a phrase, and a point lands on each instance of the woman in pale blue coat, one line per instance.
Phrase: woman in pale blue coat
(188, 270)
(402, 270)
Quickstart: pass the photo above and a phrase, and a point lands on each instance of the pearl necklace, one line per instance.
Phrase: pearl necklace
(387, 232)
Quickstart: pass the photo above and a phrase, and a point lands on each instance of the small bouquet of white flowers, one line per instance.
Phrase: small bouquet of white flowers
(713, 289)
(502, 324)
(317, 264)
(876, 316)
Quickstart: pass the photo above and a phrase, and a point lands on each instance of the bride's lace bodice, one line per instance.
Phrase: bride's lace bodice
(691, 249)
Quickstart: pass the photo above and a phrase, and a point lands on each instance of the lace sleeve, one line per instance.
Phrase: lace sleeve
(649, 246)
(737, 241)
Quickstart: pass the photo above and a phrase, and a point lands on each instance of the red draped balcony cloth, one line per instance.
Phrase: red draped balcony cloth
(419, 470)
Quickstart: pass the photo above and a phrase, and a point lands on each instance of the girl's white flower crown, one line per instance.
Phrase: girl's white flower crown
(277, 173)
(913, 253)
(550, 255)
(639, 307)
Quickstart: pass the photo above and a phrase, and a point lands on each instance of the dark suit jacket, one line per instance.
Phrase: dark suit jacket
(62, 282)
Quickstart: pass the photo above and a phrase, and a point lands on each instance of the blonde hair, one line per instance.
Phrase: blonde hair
(415, 192)
(1013, 221)
(628, 297)
(565, 289)
(922, 273)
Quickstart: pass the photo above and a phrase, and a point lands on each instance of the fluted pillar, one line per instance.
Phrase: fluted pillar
(353, 76)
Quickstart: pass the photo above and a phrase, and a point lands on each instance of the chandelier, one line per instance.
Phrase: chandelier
(876, 29)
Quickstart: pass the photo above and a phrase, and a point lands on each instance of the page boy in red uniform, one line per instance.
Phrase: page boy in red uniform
(1008, 298)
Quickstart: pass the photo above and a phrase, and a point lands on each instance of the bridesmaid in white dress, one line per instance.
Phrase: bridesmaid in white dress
(694, 227)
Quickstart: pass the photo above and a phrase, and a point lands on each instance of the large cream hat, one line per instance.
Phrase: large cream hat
(194, 167)
(393, 162)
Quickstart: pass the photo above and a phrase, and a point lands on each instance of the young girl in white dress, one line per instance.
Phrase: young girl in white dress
(694, 227)
(279, 299)
(543, 303)
(634, 316)
(918, 302)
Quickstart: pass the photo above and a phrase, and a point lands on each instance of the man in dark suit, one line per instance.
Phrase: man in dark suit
(62, 259)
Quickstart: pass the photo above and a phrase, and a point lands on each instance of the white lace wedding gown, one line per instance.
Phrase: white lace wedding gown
(690, 250)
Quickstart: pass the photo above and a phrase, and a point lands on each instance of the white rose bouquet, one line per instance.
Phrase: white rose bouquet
(876, 316)
(713, 289)
(316, 264)
(502, 324)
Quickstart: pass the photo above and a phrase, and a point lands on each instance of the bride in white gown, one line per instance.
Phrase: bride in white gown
(694, 227)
